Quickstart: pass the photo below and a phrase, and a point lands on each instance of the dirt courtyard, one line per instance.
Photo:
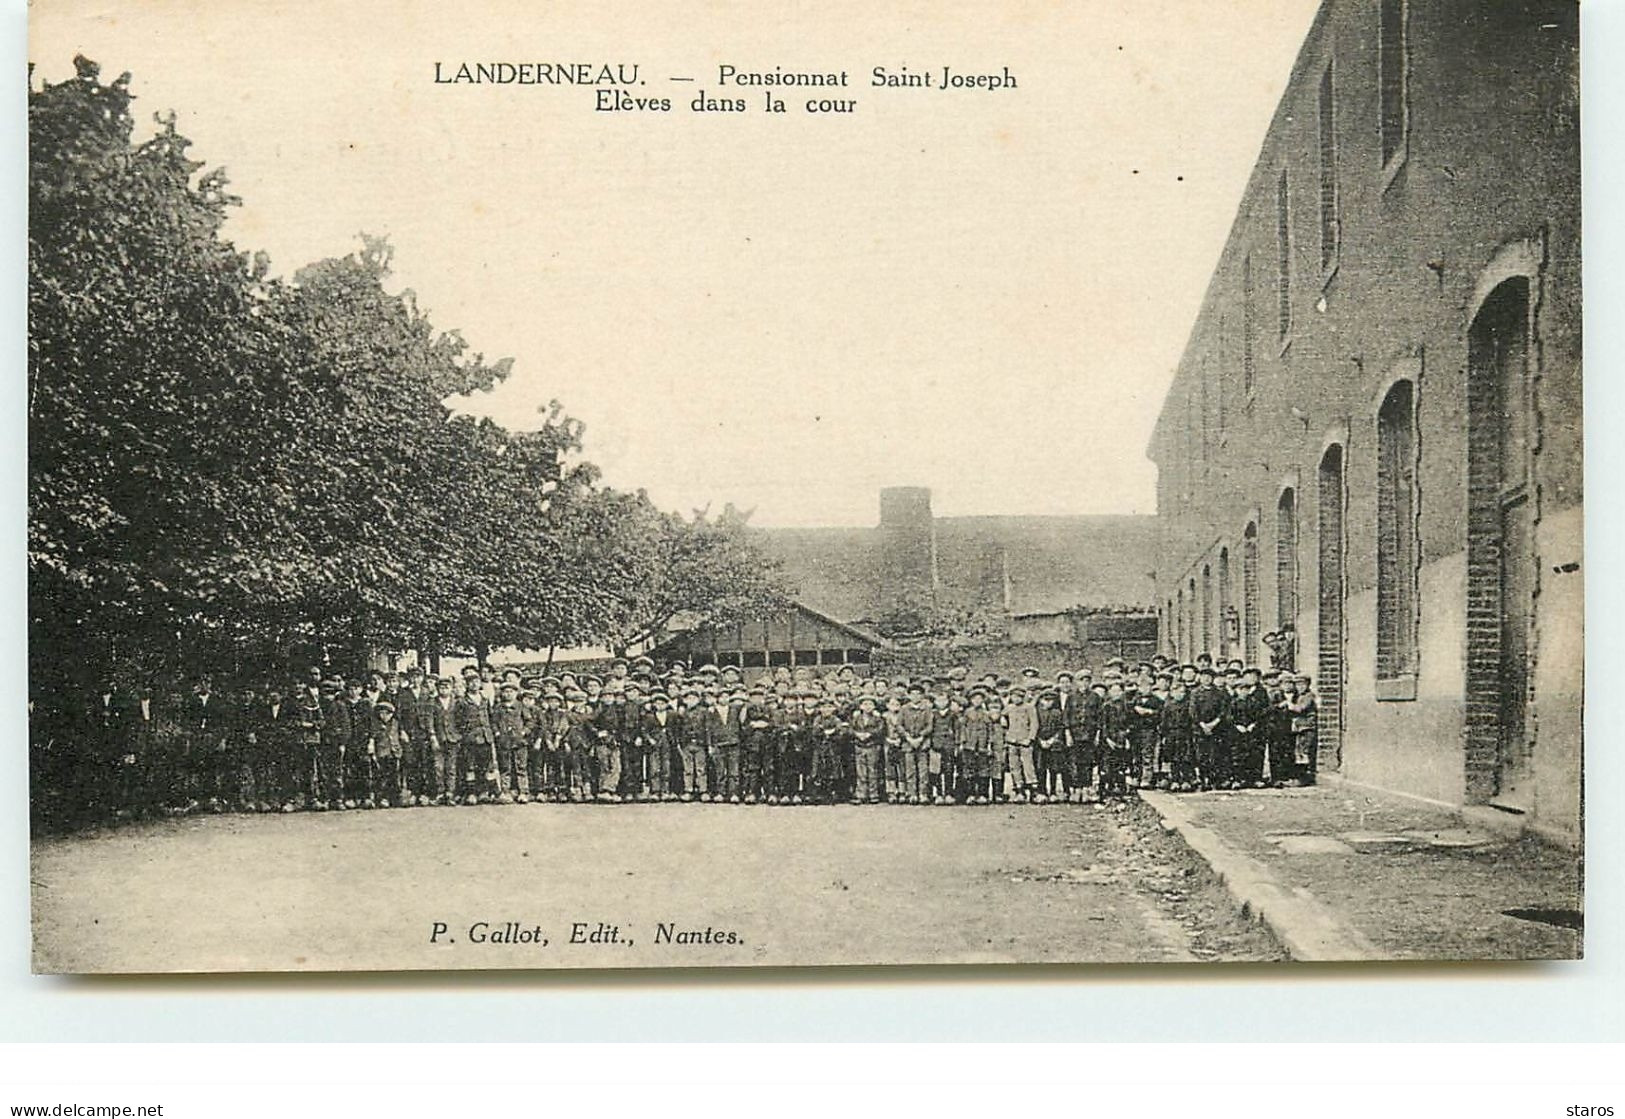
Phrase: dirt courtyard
(582, 886)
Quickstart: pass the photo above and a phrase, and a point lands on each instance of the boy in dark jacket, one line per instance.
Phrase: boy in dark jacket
(508, 725)
(1144, 731)
(828, 733)
(754, 735)
(1208, 709)
(662, 731)
(388, 741)
(1049, 754)
(729, 734)
(694, 743)
(475, 744)
(978, 733)
(1117, 750)
(1178, 738)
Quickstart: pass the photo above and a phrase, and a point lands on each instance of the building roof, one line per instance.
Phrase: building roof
(835, 570)
(680, 634)
(1055, 563)
(1044, 563)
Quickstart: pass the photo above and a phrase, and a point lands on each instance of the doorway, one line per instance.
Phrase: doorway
(1329, 624)
(1500, 548)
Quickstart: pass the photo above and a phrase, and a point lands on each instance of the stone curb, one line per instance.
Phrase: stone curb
(1306, 928)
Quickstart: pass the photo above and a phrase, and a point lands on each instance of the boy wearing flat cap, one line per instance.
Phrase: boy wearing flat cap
(508, 729)
(549, 773)
(868, 729)
(1020, 739)
(1304, 726)
(661, 733)
(1249, 714)
(694, 743)
(386, 747)
(476, 746)
(728, 734)
(1048, 753)
(914, 726)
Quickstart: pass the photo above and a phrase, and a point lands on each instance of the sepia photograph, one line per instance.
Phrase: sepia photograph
(653, 487)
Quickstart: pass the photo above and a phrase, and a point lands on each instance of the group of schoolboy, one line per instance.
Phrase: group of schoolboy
(706, 734)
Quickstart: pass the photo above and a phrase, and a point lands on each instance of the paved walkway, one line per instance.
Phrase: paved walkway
(1340, 873)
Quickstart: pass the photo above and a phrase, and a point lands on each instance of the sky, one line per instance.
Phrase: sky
(981, 291)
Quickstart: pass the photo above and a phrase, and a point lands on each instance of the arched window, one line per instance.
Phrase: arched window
(1286, 561)
(1179, 626)
(1192, 629)
(1396, 533)
(1207, 609)
(1224, 603)
(1329, 616)
(1249, 592)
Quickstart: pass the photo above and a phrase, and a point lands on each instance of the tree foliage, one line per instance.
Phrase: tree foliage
(227, 467)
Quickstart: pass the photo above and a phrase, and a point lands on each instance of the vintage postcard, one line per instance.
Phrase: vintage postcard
(701, 485)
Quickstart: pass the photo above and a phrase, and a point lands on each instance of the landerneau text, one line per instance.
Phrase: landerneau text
(620, 85)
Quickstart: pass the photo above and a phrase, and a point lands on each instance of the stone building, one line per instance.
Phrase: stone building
(996, 565)
(1373, 437)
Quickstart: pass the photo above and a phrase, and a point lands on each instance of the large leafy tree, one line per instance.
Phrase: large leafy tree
(149, 361)
(227, 469)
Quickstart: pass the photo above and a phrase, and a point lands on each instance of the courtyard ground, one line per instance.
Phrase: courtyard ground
(410, 888)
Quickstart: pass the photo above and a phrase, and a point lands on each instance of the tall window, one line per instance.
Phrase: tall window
(1393, 61)
(1249, 592)
(1283, 257)
(1248, 325)
(1207, 609)
(1286, 561)
(1191, 628)
(1224, 602)
(1329, 230)
(1396, 533)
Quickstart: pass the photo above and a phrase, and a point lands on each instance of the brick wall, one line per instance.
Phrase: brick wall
(1486, 187)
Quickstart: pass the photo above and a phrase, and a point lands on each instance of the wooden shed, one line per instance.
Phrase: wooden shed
(796, 637)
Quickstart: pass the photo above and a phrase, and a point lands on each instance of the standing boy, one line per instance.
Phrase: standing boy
(868, 737)
(915, 728)
(1020, 738)
(1305, 727)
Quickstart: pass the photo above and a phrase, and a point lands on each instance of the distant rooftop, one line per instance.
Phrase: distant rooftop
(1042, 563)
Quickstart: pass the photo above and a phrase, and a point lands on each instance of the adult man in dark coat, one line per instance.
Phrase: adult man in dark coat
(1209, 706)
(1248, 714)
